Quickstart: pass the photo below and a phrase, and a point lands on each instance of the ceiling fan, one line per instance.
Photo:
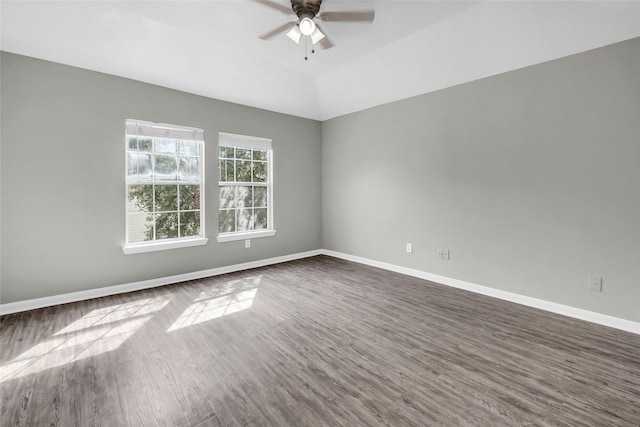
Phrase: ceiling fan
(307, 12)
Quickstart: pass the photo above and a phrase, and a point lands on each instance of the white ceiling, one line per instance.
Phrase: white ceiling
(211, 47)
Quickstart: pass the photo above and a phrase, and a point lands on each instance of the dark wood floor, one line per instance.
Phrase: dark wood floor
(315, 342)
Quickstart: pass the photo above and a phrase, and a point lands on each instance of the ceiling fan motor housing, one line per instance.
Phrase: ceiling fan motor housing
(306, 8)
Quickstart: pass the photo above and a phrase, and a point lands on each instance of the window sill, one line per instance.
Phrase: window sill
(231, 237)
(161, 246)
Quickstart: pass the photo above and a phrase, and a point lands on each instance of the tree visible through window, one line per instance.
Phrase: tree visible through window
(164, 182)
(244, 184)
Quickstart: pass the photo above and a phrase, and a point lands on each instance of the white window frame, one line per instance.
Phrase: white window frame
(163, 130)
(244, 141)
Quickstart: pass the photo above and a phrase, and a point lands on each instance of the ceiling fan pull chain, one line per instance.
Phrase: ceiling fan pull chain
(306, 48)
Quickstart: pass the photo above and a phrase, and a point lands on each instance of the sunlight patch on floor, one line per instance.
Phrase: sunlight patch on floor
(100, 331)
(220, 300)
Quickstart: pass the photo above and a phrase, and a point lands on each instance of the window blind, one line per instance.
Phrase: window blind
(243, 141)
(162, 130)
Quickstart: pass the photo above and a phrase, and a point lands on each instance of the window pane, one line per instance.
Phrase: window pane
(243, 170)
(132, 164)
(242, 153)
(140, 198)
(165, 145)
(259, 172)
(139, 144)
(189, 169)
(259, 154)
(144, 145)
(189, 148)
(245, 219)
(260, 218)
(144, 166)
(244, 197)
(166, 198)
(226, 220)
(189, 224)
(167, 225)
(260, 197)
(140, 227)
(138, 165)
(166, 167)
(226, 153)
(227, 196)
(189, 197)
(226, 170)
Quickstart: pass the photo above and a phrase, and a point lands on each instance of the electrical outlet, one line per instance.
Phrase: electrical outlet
(595, 284)
(443, 254)
(247, 243)
(409, 248)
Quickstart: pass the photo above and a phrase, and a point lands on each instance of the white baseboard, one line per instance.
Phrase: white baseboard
(577, 313)
(32, 304)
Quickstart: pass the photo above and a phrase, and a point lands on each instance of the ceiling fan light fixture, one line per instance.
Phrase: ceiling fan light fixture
(294, 34)
(316, 36)
(307, 26)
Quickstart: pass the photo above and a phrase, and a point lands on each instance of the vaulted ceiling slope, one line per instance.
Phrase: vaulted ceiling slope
(212, 48)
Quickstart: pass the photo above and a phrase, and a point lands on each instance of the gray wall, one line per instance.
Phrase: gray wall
(530, 178)
(63, 191)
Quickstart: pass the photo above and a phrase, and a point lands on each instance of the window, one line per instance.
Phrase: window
(165, 206)
(245, 187)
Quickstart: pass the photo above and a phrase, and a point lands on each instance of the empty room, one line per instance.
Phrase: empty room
(319, 213)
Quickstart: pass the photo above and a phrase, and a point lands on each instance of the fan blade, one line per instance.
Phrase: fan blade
(276, 31)
(273, 5)
(364, 16)
(324, 42)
